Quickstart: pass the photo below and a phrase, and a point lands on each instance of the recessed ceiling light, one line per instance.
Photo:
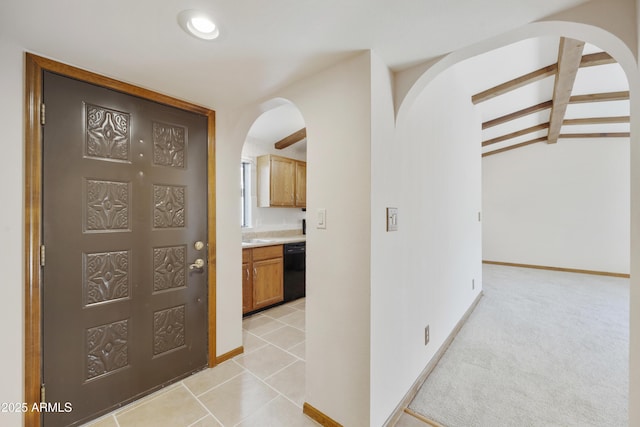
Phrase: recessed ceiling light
(198, 24)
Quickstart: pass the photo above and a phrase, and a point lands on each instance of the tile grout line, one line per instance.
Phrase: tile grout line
(224, 382)
(205, 408)
(278, 347)
(284, 325)
(254, 350)
(299, 359)
(269, 342)
(263, 406)
(276, 390)
(298, 330)
(200, 419)
(280, 370)
(147, 399)
(258, 410)
(287, 351)
(285, 314)
(268, 332)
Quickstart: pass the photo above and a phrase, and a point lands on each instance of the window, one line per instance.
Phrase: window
(245, 193)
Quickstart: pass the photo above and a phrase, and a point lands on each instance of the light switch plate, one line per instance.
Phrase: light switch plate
(392, 219)
(322, 218)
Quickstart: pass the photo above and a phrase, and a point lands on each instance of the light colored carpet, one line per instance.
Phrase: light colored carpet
(541, 348)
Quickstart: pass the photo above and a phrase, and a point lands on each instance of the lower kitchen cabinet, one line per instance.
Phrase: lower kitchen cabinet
(262, 280)
(247, 282)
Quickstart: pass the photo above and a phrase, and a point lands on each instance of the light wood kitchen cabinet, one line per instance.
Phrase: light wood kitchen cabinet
(281, 182)
(263, 272)
(301, 184)
(247, 278)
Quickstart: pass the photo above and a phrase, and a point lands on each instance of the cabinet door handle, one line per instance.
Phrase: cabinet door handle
(255, 274)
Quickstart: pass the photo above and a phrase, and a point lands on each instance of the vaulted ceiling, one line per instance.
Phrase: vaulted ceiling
(546, 91)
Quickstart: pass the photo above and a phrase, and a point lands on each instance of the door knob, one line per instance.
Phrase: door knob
(199, 263)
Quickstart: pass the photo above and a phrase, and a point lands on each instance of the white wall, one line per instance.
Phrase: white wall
(11, 226)
(421, 274)
(634, 322)
(230, 136)
(563, 205)
(336, 106)
(389, 331)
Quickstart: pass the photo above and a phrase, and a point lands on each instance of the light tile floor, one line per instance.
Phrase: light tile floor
(264, 386)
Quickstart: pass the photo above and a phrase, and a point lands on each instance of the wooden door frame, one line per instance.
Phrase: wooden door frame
(35, 65)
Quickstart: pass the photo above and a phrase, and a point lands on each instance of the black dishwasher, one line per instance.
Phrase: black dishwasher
(294, 271)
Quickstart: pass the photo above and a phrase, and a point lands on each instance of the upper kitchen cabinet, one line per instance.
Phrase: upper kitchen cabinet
(281, 182)
(301, 184)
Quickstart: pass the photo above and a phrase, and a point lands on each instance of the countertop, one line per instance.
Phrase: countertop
(270, 241)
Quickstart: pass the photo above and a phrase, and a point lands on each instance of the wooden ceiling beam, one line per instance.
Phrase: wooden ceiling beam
(578, 99)
(513, 147)
(599, 97)
(516, 134)
(524, 80)
(596, 135)
(594, 59)
(568, 136)
(590, 60)
(291, 139)
(512, 116)
(596, 120)
(569, 58)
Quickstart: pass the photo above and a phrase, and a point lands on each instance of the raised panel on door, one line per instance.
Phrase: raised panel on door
(282, 181)
(267, 282)
(124, 201)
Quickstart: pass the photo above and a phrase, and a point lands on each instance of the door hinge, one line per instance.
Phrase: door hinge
(42, 393)
(42, 255)
(42, 114)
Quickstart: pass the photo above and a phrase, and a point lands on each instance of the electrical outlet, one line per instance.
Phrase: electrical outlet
(426, 335)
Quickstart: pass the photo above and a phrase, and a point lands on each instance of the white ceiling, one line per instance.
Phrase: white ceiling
(263, 45)
(276, 124)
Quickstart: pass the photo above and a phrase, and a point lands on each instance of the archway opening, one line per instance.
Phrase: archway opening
(280, 131)
(621, 157)
(273, 205)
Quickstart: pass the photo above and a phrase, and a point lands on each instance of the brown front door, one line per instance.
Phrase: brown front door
(124, 202)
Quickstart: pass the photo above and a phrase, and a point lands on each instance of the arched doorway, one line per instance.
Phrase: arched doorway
(273, 210)
(621, 53)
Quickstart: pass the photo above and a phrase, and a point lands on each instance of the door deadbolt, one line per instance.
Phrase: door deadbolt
(199, 263)
(198, 245)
